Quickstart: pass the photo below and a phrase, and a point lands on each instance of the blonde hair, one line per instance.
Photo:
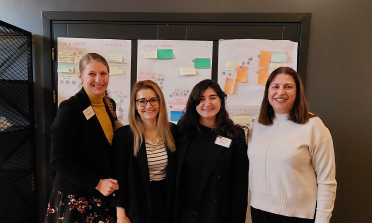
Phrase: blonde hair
(162, 124)
(84, 61)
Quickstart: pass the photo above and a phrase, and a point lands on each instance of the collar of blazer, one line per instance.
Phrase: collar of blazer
(213, 155)
(93, 121)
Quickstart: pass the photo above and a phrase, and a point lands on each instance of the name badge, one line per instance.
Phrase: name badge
(88, 112)
(222, 141)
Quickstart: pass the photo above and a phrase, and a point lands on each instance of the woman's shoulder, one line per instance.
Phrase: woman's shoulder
(123, 129)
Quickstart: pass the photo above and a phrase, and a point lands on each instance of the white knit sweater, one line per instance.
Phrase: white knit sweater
(292, 169)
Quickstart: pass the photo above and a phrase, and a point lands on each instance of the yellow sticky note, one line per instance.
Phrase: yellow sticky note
(188, 71)
(231, 65)
(77, 59)
(150, 54)
(264, 59)
(274, 66)
(115, 58)
(241, 75)
(229, 85)
(263, 74)
(66, 59)
(117, 70)
(242, 119)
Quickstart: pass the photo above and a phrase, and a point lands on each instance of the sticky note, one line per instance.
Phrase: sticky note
(67, 77)
(77, 59)
(263, 74)
(242, 119)
(229, 85)
(264, 59)
(231, 65)
(241, 75)
(202, 63)
(188, 71)
(278, 57)
(117, 70)
(150, 54)
(177, 107)
(115, 58)
(66, 59)
(66, 68)
(175, 115)
(165, 54)
(274, 66)
(143, 78)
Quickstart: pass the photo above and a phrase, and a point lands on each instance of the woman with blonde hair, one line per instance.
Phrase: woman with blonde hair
(82, 134)
(292, 161)
(145, 159)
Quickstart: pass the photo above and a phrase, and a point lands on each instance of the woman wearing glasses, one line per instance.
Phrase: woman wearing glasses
(144, 159)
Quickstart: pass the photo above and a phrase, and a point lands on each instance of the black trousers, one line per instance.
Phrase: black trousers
(158, 197)
(259, 216)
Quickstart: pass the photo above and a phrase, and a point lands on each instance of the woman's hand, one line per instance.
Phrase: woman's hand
(121, 216)
(107, 186)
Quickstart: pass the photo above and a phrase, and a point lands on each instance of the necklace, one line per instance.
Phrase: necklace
(152, 140)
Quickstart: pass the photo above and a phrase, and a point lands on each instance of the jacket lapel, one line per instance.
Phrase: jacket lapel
(93, 121)
(214, 154)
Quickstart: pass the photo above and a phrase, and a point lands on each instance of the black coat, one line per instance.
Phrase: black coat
(223, 192)
(132, 173)
(80, 152)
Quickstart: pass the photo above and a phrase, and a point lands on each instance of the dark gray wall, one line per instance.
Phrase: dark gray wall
(338, 86)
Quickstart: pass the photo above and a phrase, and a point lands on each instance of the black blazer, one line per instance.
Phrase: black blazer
(223, 192)
(80, 151)
(132, 174)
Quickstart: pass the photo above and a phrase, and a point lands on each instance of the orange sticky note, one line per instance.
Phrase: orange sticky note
(229, 85)
(264, 59)
(241, 75)
(263, 74)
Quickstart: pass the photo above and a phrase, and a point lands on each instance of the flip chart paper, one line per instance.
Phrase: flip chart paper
(188, 71)
(264, 59)
(241, 75)
(177, 107)
(273, 66)
(202, 63)
(77, 59)
(165, 54)
(278, 57)
(150, 54)
(175, 115)
(242, 119)
(114, 58)
(263, 74)
(229, 85)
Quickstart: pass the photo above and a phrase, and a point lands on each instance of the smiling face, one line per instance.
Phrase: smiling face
(149, 112)
(282, 93)
(209, 106)
(95, 77)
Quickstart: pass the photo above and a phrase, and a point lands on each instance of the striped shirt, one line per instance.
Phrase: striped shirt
(157, 159)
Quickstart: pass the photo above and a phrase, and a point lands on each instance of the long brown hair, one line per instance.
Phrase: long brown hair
(84, 61)
(162, 124)
(189, 122)
(299, 113)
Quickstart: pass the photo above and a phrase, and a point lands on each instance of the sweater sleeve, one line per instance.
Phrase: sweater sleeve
(66, 130)
(239, 181)
(323, 161)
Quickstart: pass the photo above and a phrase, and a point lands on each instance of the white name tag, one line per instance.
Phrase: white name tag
(89, 112)
(222, 141)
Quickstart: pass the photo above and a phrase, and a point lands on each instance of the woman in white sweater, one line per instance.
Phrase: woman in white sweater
(292, 162)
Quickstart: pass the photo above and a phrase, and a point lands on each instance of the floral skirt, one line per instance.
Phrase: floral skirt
(78, 209)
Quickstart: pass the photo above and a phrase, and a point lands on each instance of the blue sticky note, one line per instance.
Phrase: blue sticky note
(278, 57)
(175, 115)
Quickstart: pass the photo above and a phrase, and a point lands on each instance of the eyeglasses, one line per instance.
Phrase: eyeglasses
(143, 102)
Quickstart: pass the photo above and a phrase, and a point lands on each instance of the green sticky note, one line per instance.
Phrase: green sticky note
(165, 54)
(202, 63)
